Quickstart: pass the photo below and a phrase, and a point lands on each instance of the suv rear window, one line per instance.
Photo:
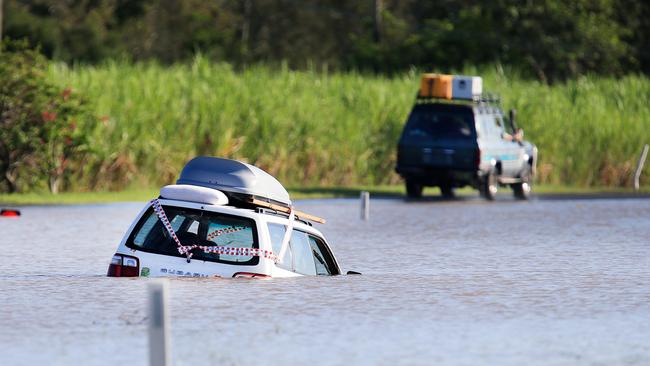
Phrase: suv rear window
(196, 227)
(440, 121)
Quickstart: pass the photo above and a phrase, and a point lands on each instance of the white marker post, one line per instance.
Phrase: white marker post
(159, 348)
(365, 205)
(639, 167)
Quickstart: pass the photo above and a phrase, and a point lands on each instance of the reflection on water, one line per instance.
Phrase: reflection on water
(458, 283)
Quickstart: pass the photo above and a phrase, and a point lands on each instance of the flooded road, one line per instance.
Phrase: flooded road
(547, 282)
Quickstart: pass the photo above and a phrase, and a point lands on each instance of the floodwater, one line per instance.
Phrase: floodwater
(547, 282)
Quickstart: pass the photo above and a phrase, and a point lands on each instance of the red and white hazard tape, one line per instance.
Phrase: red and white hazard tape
(247, 252)
(187, 249)
(220, 232)
(157, 208)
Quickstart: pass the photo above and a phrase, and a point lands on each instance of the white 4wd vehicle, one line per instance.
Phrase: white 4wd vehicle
(223, 218)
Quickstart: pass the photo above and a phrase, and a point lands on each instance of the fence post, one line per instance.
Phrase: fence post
(639, 167)
(159, 347)
(365, 205)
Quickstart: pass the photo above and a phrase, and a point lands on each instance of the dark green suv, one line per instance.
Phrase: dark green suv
(450, 144)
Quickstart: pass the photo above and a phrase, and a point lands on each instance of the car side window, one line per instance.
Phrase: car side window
(303, 259)
(276, 231)
(177, 222)
(145, 230)
(508, 126)
(304, 254)
(488, 126)
(498, 121)
(322, 268)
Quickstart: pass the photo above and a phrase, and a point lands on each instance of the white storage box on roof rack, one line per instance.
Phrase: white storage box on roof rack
(466, 87)
(190, 193)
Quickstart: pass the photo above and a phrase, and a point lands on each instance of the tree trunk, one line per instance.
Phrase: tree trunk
(377, 20)
(1, 7)
(55, 182)
(11, 182)
(246, 30)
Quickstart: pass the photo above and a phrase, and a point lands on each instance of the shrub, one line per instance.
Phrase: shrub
(39, 138)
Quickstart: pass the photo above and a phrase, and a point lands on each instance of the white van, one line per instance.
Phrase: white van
(223, 218)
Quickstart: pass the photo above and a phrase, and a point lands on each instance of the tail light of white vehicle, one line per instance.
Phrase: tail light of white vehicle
(123, 266)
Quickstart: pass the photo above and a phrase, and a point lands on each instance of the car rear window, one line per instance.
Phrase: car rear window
(196, 227)
(440, 122)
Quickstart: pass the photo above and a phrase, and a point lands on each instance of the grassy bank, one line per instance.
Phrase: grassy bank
(297, 193)
(315, 128)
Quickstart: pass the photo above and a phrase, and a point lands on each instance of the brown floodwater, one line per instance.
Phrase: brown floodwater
(465, 282)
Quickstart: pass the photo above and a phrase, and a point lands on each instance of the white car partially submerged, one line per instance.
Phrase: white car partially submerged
(223, 218)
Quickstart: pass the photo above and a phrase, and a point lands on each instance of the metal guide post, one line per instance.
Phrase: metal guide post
(639, 167)
(365, 205)
(159, 344)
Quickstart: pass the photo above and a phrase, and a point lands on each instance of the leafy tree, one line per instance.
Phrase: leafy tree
(551, 40)
(39, 138)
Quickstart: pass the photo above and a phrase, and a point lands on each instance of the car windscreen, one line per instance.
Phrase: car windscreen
(434, 122)
(196, 227)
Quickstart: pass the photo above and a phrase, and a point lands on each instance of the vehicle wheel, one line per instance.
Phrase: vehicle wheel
(489, 186)
(522, 190)
(447, 191)
(413, 189)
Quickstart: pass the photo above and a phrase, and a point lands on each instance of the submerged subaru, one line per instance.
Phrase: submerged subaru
(223, 218)
(456, 136)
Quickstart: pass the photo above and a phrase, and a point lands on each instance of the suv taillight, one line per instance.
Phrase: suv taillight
(123, 266)
(477, 158)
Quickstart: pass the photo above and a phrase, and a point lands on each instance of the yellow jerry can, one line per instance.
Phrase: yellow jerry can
(436, 86)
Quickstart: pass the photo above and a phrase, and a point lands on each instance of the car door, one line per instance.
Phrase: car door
(490, 142)
(306, 255)
(515, 150)
(508, 149)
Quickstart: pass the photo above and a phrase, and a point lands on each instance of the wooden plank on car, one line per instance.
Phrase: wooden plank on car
(285, 209)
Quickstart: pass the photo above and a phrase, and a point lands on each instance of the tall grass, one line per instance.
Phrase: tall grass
(319, 128)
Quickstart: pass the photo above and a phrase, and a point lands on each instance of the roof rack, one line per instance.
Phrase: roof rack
(269, 211)
(488, 98)
(485, 99)
(284, 209)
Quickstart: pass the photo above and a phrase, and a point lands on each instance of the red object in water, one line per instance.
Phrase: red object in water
(9, 213)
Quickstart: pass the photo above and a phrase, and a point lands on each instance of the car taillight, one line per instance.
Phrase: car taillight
(123, 266)
(249, 275)
(477, 158)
